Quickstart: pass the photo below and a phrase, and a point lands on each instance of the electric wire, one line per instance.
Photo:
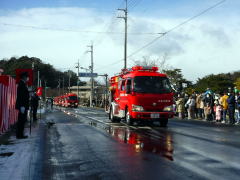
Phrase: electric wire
(169, 31)
(177, 26)
(76, 31)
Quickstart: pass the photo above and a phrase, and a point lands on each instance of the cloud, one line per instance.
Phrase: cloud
(201, 47)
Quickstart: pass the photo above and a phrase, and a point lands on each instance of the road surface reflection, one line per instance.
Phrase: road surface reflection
(159, 142)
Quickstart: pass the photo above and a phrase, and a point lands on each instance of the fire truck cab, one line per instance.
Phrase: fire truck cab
(70, 100)
(140, 93)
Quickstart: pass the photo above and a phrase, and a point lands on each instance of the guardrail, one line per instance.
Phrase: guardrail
(8, 92)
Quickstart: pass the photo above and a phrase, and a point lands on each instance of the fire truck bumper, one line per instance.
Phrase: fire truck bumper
(152, 115)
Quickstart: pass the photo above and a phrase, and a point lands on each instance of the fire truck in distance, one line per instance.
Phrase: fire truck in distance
(140, 93)
(67, 100)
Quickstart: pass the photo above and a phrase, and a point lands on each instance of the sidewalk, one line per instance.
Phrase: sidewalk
(19, 157)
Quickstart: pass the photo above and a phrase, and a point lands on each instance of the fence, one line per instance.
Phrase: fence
(8, 113)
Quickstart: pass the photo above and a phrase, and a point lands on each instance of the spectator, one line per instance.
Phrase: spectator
(208, 102)
(202, 107)
(218, 112)
(34, 105)
(22, 104)
(180, 107)
(185, 106)
(191, 103)
(207, 112)
(198, 106)
(238, 108)
(236, 91)
(224, 103)
(231, 108)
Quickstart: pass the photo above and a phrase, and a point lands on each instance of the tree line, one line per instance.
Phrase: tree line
(50, 75)
(216, 82)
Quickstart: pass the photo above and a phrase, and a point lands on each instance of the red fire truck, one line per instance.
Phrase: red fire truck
(140, 93)
(70, 100)
(67, 100)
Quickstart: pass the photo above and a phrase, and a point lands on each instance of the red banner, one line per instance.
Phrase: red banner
(30, 75)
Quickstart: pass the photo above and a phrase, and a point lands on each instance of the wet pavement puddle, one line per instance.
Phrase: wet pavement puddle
(142, 141)
(142, 138)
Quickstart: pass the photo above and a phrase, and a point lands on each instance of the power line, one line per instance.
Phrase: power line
(109, 25)
(176, 27)
(134, 5)
(170, 30)
(76, 31)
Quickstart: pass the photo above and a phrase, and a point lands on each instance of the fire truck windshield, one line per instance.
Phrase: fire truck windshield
(152, 84)
(72, 98)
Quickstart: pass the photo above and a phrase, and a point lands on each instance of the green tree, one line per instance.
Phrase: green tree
(48, 73)
(217, 83)
(237, 83)
(177, 80)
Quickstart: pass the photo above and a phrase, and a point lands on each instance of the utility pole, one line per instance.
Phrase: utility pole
(69, 83)
(38, 81)
(105, 91)
(125, 39)
(78, 78)
(92, 80)
(63, 85)
(45, 89)
(59, 86)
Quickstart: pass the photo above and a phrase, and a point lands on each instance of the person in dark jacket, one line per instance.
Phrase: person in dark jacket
(34, 105)
(231, 108)
(22, 104)
(209, 102)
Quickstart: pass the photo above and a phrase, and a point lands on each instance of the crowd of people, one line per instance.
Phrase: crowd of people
(210, 106)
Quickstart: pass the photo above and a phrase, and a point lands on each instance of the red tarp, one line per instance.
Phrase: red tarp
(8, 113)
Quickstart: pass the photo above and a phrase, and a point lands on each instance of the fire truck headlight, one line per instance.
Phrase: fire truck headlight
(137, 108)
(168, 108)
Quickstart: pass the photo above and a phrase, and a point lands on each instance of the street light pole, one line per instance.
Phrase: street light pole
(69, 83)
(78, 78)
(125, 36)
(92, 80)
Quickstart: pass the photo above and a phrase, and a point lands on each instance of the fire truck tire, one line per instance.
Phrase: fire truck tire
(111, 116)
(163, 122)
(128, 118)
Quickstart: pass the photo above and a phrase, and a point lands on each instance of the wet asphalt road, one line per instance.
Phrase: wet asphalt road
(84, 144)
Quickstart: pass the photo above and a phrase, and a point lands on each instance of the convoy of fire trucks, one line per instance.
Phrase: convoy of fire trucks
(67, 100)
(140, 93)
(136, 94)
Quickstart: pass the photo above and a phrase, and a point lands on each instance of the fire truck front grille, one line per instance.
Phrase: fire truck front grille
(154, 110)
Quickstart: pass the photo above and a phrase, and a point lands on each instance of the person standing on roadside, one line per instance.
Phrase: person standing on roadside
(238, 108)
(180, 107)
(22, 104)
(202, 107)
(198, 106)
(34, 105)
(231, 108)
(218, 112)
(208, 102)
(224, 103)
(191, 107)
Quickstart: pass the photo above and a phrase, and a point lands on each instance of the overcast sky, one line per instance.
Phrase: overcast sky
(59, 31)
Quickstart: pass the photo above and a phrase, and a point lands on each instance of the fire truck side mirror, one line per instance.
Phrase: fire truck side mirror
(128, 89)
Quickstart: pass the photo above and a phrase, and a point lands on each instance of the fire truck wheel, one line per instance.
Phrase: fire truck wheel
(111, 115)
(128, 118)
(163, 122)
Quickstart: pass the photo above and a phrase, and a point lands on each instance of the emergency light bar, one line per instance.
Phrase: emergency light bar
(142, 68)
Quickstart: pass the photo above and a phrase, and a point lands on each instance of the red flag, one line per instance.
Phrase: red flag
(30, 75)
(39, 91)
